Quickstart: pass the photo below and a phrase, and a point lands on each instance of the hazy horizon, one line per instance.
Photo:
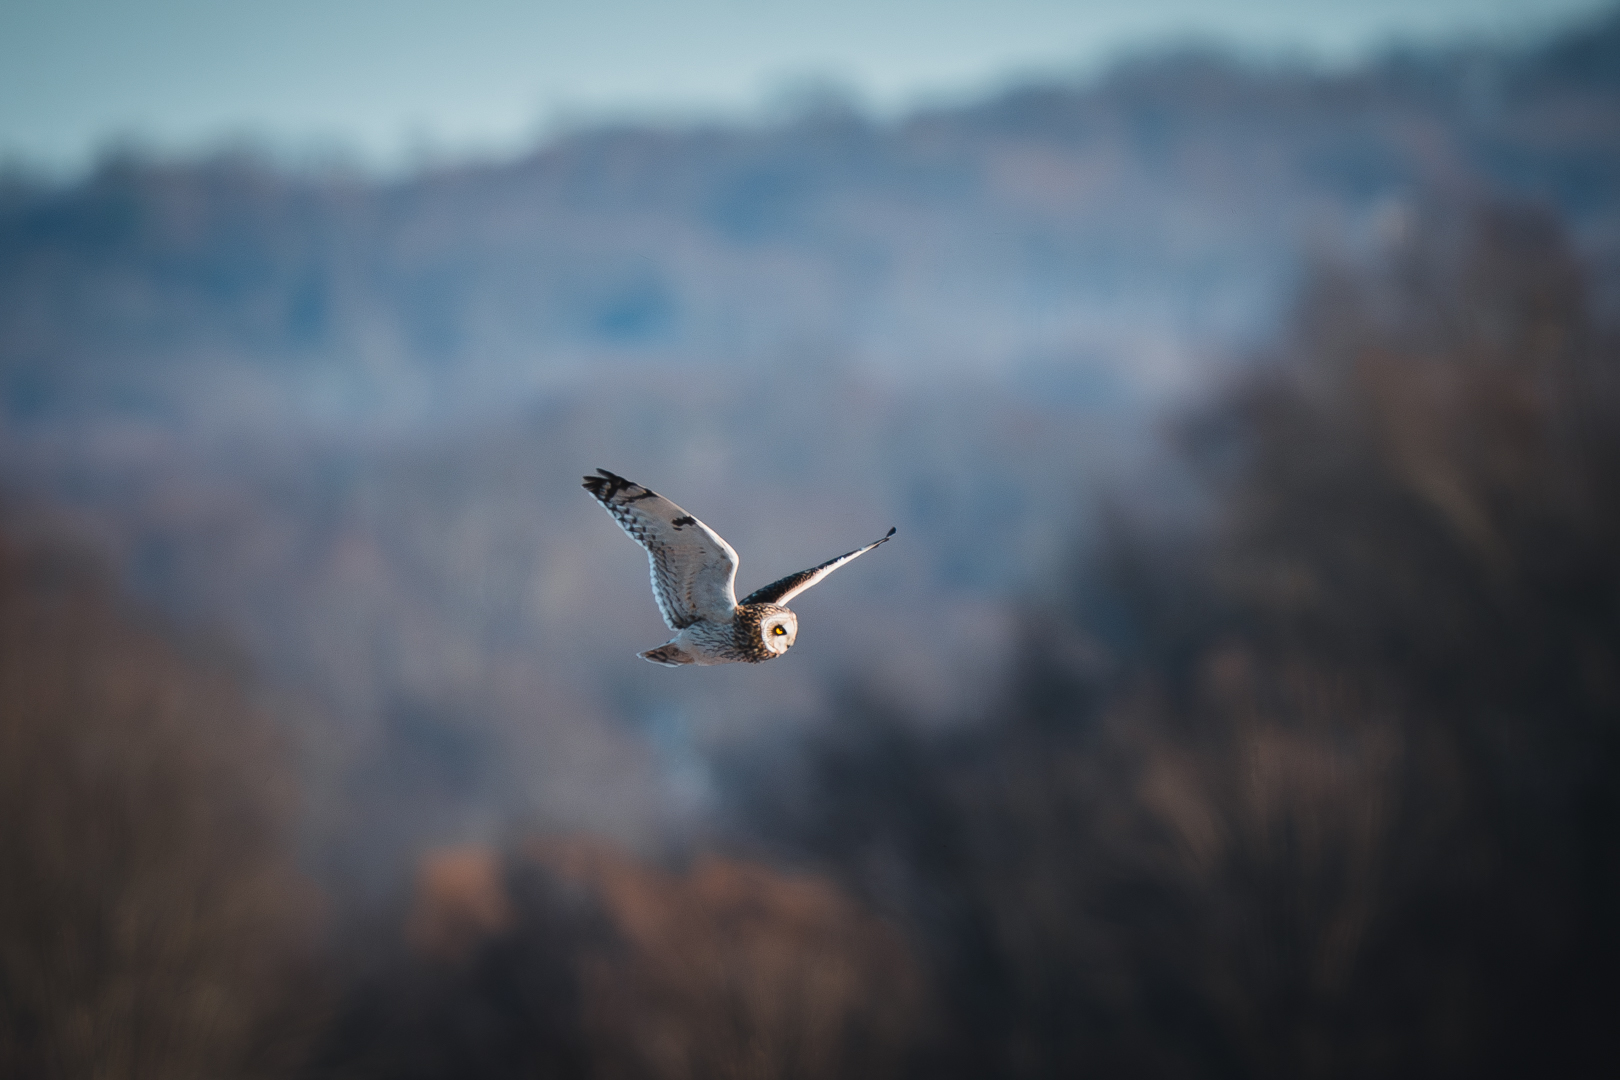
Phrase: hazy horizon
(393, 87)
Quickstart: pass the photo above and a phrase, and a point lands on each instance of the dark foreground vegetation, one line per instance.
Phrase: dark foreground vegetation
(1324, 786)
(151, 921)
(1332, 790)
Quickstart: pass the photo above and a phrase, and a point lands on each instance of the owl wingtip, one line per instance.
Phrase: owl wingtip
(603, 479)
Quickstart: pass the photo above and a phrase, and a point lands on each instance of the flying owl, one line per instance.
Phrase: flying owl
(694, 580)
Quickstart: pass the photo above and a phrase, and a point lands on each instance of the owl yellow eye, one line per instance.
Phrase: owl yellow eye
(778, 630)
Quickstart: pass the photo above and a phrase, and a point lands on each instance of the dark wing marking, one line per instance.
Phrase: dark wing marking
(694, 572)
(780, 592)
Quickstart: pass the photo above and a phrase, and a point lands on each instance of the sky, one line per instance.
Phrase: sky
(390, 83)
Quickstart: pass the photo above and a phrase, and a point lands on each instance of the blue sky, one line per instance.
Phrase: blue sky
(386, 82)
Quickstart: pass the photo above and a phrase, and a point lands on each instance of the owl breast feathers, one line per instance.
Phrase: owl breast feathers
(694, 577)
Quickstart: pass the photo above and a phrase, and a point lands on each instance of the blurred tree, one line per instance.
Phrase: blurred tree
(1343, 798)
(151, 924)
(570, 958)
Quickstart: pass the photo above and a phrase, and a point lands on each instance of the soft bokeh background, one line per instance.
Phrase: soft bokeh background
(1239, 696)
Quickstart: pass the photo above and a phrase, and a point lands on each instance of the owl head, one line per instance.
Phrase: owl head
(778, 628)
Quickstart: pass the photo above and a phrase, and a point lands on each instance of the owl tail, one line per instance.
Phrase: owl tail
(671, 655)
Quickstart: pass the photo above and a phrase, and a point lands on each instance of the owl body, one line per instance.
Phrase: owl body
(694, 575)
(754, 634)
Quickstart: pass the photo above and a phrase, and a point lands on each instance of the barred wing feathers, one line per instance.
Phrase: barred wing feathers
(694, 571)
(780, 592)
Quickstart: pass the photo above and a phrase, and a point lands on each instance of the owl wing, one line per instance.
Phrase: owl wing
(694, 572)
(780, 592)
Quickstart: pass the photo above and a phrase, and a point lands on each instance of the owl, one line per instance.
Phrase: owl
(694, 580)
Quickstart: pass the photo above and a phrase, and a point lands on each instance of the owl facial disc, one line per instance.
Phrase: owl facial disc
(779, 629)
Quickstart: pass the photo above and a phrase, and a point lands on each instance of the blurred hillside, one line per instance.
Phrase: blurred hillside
(339, 422)
(1320, 782)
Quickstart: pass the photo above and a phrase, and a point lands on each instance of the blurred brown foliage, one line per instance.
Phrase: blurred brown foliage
(1331, 789)
(571, 958)
(460, 901)
(734, 971)
(151, 923)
